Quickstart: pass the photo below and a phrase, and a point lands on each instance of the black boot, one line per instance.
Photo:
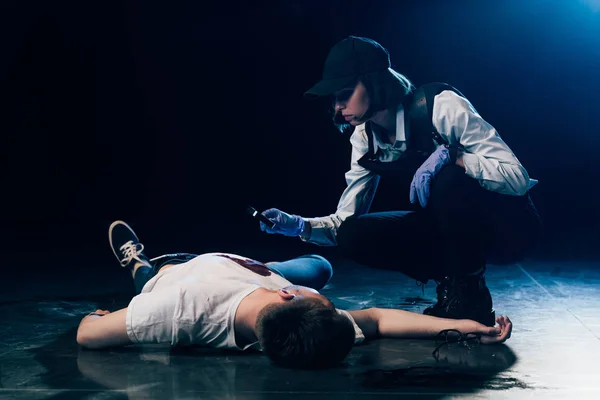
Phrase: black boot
(465, 297)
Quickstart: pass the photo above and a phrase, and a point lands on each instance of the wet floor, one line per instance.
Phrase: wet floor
(553, 351)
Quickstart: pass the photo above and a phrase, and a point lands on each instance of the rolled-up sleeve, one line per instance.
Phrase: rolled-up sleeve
(359, 336)
(486, 156)
(355, 200)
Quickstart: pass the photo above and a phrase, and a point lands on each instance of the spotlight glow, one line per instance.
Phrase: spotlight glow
(593, 4)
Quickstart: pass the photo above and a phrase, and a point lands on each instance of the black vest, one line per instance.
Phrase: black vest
(419, 131)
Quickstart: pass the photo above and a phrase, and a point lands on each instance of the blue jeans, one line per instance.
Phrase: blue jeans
(308, 270)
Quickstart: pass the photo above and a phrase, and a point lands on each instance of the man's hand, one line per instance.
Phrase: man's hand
(498, 334)
(419, 187)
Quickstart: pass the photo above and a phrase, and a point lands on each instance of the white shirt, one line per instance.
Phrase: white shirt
(195, 302)
(486, 158)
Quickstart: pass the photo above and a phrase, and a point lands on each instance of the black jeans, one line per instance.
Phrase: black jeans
(462, 228)
(143, 274)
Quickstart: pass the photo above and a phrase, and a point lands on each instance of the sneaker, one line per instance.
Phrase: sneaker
(125, 245)
(465, 297)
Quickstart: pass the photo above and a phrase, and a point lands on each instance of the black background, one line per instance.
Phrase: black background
(176, 115)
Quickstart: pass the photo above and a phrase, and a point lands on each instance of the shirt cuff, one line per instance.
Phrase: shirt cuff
(301, 236)
(321, 234)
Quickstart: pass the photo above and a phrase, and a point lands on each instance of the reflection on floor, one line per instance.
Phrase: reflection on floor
(552, 353)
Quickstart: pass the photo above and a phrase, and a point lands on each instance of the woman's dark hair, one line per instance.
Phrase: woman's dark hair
(386, 89)
(304, 333)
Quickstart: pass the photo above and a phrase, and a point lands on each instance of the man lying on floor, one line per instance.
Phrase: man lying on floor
(231, 302)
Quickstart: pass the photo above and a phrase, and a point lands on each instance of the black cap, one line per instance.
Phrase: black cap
(348, 60)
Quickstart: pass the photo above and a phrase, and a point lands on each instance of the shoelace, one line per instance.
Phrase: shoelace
(131, 251)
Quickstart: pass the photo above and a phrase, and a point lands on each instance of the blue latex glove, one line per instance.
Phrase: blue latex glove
(285, 224)
(419, 188)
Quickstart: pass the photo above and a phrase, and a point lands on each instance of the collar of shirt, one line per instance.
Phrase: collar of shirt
(400, 134)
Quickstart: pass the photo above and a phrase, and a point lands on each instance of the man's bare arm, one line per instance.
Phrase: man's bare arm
(391, 323)
(104, 329)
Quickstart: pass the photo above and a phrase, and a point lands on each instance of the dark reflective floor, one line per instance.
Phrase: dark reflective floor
(553, 352)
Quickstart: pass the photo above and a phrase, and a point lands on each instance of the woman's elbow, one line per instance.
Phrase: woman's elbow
(522, 183)
(516, 181)
(519, 188)
(522, 190)
(511, 189)
(84, 339)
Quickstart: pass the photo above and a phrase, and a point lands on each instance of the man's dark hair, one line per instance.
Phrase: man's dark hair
(304, 333)
(386, 89)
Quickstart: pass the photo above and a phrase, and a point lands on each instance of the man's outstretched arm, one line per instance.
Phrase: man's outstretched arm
(391, 323)
(103, 329)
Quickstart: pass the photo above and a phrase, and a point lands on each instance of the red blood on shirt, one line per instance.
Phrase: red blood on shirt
(252, 265)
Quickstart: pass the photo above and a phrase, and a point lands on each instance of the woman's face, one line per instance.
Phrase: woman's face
(351, 104)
